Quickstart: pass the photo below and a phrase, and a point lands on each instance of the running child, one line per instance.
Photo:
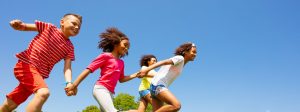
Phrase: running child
(170, 69)
(144, 88)
(115, 45)
(34, 65)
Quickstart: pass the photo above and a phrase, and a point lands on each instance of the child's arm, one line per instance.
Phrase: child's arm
(150, 74)
(76, 83)
(129, 77)
(68, 75)
(81, 77)
(143, 72)
(68, 70)
(21, 26)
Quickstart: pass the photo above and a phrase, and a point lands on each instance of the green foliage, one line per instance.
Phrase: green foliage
(125, 101)
(149, 108)
(122, 102)
(91, 108)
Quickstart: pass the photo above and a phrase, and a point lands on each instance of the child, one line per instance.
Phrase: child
(144, 89)
(115, 45)
(47, 48)
(170, 69)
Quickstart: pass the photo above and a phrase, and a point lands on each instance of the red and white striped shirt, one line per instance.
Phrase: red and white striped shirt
(47, 48)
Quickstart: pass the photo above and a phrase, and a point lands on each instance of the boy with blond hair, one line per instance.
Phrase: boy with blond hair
(47, 48)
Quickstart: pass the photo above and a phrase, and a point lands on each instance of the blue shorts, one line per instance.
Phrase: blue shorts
(156, 89)
(143, 93)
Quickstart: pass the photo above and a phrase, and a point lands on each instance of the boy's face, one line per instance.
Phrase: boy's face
(70, 25)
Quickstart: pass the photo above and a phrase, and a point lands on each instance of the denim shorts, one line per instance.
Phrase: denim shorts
(156, 89)
(143, 93)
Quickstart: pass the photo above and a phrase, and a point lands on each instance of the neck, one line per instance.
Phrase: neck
(65, 35)
(185, 61)
(115, 54)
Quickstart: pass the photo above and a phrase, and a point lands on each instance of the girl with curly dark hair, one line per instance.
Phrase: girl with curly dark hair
(115, 45)
(169, 71)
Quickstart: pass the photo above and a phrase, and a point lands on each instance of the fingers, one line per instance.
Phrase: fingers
(70, 90)
(16, 24)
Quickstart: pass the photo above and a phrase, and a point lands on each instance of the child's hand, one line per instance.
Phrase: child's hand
(17, 24)
(70, 90)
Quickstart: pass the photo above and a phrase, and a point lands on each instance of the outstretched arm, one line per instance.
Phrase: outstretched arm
(144, 71)
(72, 89)
(151, 73)
(81, 77)
(129, 77)
(21, 26)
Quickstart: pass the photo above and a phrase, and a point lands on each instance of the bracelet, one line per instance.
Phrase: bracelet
(68, 83)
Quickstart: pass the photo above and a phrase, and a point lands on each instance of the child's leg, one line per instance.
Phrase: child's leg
(104, 99)
(30, 82)
(173, 105)
(148, 98)
(8, 105)
(156, 104)
(40, 97)
(143, 105)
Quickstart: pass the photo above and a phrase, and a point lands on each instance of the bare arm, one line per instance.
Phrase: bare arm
(68, 76)
(143, 72)
(81, 77)
(68, 70)
(21, 26)
(151, 74)
(129, 77)
(72, 89)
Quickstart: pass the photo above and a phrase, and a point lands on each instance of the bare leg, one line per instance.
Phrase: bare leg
(156, 104)
(8, 105)
(148, 99)
(143, 104)
(40, 97)
(173, 105)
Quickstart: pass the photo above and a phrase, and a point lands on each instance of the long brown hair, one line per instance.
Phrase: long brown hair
(183, 48)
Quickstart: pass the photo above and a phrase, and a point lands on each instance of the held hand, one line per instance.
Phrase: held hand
(70, 90)
(17, 24)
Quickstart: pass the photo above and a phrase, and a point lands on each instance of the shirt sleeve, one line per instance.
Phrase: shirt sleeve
(71, 54)
(97, 63)
(41, 26)
(177, 59)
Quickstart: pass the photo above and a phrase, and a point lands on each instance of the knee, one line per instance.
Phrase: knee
(7, 108)
(44, 93)
(177, 106)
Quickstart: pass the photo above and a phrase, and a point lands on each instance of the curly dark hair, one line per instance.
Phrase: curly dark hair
(110, 38)
(184, 47)
(144, 60)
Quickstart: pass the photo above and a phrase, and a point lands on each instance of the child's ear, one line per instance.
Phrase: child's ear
(62, 22)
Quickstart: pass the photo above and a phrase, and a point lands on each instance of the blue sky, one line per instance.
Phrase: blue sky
(248, 50)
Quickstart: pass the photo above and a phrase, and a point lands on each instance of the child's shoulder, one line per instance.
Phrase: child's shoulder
(104, 55)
